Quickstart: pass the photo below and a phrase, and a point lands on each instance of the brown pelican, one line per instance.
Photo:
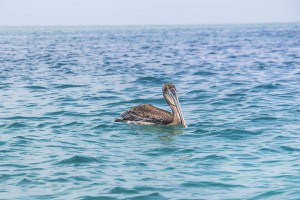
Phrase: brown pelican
(146, 114)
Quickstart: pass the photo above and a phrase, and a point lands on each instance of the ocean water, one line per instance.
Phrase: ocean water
(62, 87)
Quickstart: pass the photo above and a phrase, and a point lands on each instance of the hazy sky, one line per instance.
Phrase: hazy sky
(146, 12)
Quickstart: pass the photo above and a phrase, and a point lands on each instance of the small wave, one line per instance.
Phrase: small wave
(101, 126)
(26, 118)
(211, 53)
(183, 151)
(289, 149)
(11, 166)
(71, 124)
(263, 119)
(268, 150)
(75, 123)
(236, 95)
(267, 195)
(154, 195)
(66, 100)
(55, 113)
(76, 114)
(113, 92)
(58, 180)
(199, 95)
(25, 182)
(235, 133)
(121, 190)
(145, 47)
(66, 86)
(204, 73)
(97, 198)
(22, 141)
(58, 65)
(198, 131)
(208, 184)
(197, 92)
(36, 87)
(150, 80)
(138, 101)
(99, 98)
(4, 177)
(76, 160)
(137, 164)
(160, 151)
(269, 86)
(215, 157)
(4, 85)
(80, 178)
(69, 113)
(17, 125)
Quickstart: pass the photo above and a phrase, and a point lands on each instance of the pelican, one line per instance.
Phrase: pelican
(147, 114)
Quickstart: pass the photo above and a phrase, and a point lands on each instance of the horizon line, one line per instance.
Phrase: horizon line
(153, 25)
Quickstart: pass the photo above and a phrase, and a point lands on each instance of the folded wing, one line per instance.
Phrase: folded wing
(147, 113)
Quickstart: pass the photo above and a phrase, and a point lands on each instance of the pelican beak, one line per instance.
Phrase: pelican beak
(177, 105)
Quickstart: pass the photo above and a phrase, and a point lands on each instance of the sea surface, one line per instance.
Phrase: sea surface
(62, 87)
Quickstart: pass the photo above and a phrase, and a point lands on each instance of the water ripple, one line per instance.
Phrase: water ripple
(66, 86)
(216, 185)
(62, 87)
(77, 160)
(17, 125)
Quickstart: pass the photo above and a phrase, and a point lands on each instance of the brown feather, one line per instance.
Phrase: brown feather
(148, 113)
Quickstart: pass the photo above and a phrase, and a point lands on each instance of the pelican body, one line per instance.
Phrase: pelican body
(147, 114)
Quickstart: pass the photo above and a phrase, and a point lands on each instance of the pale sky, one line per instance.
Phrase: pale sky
(146, 12)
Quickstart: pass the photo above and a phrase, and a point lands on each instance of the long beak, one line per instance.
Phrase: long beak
(178, 107)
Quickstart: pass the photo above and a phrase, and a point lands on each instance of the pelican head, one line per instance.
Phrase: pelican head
(169, 92)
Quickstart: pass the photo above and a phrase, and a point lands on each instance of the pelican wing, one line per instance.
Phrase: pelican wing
(148, 113)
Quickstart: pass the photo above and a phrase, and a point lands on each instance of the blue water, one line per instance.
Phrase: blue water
(62, 87)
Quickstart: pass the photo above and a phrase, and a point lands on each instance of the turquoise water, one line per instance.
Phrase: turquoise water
(61, 88)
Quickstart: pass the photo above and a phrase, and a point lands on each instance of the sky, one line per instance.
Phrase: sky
(146, 12)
